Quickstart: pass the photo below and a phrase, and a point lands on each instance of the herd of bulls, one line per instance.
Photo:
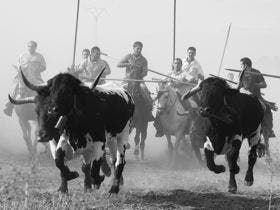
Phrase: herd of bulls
(79, 120)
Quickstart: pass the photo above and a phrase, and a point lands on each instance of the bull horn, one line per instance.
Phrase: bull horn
(97, 79)
(28, 84)
(191, 92)
(183, 113)
(22, 101)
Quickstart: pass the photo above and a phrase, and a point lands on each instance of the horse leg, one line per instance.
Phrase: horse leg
(196, 149)
(137, 141)
(143, 138)
(178, 138)
(26, 130)
(232, 157)
(170, 147)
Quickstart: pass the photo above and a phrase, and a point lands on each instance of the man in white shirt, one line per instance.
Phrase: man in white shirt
(191, 66)
(90, 68)
(32, 64)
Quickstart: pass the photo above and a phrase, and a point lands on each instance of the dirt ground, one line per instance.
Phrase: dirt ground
(149, 184)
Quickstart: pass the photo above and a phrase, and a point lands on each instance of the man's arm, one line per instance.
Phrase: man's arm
(107, 68)
(124, 62)
(43, 63)
(260, 82)
(145, 69)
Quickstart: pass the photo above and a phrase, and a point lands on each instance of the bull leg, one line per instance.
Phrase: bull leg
(121, 147)
(65, 173)
(143, 138)
(99, 149)
(26, 130)
(209, 155)
(86, 170)
(170, 147)
(232, 157)
(137, 142)
(112, 144)
(252, 158)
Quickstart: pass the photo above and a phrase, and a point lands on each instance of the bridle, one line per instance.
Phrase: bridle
(168, 106)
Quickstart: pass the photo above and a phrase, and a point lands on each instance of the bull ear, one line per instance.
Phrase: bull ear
(97, 79)
(28, 84)
(22, 101)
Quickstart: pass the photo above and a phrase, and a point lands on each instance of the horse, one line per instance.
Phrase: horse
(173, 123)
(140, 117)
(26, 114)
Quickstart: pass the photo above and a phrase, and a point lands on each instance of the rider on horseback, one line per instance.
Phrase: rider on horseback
(188, 71)
(252, 84)
(32, 64)
(91, 66)
(136, 68)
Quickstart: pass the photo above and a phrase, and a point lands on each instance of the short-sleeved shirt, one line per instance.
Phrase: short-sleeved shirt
(193, 70)
(140, 70)
(32, 65)
(249, 81)
(179, 86)
(91, 69)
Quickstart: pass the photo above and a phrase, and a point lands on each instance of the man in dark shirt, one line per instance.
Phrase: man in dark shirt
(136, 68)
(253, 83)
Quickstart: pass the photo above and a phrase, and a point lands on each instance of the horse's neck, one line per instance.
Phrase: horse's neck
(174, 104)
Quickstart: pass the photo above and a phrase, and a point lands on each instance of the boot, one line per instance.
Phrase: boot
(9, 109)
(271, 134)
(158, 127)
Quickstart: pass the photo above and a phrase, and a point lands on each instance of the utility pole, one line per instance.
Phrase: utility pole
(174, 30)
(96, 13)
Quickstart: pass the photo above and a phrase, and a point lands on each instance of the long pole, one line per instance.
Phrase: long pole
(174, 30)
(255, 73)
(76, 32)
(222, 59)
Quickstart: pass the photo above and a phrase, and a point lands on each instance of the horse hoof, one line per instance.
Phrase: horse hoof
(136, 152)
(62, 189)
(248, 183)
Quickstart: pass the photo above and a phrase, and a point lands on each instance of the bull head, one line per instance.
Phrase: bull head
(36, 88)
(97, 79)
(22, 101)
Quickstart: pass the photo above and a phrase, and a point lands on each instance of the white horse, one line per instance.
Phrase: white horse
(172, 122)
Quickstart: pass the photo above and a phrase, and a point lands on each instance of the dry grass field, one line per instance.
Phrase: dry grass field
(149, 184)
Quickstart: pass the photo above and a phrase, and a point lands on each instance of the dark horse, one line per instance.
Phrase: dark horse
(140, 117)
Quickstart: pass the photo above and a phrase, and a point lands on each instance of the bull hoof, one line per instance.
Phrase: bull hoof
(72, 175)
(63, 189)
(249, 180)
(219, 169)
(114, 189)
(232, 189)
(97, 183)
(87, 189)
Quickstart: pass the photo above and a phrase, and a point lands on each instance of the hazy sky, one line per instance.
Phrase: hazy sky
(255, 33)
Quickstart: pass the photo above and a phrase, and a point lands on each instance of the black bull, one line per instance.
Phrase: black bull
(91, 115)
(233, 116)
